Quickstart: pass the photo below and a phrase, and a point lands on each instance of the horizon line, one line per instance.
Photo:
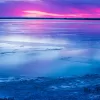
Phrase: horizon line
(49, 18)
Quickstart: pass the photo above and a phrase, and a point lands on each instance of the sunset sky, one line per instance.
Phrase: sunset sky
(50, 8)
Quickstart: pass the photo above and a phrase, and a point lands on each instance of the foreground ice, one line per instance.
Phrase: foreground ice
(44, 88)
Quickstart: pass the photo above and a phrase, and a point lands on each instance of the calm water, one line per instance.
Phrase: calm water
(49, 47)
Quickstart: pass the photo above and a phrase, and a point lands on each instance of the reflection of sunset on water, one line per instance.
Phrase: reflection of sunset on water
(35, 45)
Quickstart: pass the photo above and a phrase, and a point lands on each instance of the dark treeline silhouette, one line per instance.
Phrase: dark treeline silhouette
(49, 18)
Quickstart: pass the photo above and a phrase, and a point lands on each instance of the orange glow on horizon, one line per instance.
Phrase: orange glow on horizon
(34, 13)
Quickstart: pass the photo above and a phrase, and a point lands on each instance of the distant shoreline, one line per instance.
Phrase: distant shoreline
(50, 18)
